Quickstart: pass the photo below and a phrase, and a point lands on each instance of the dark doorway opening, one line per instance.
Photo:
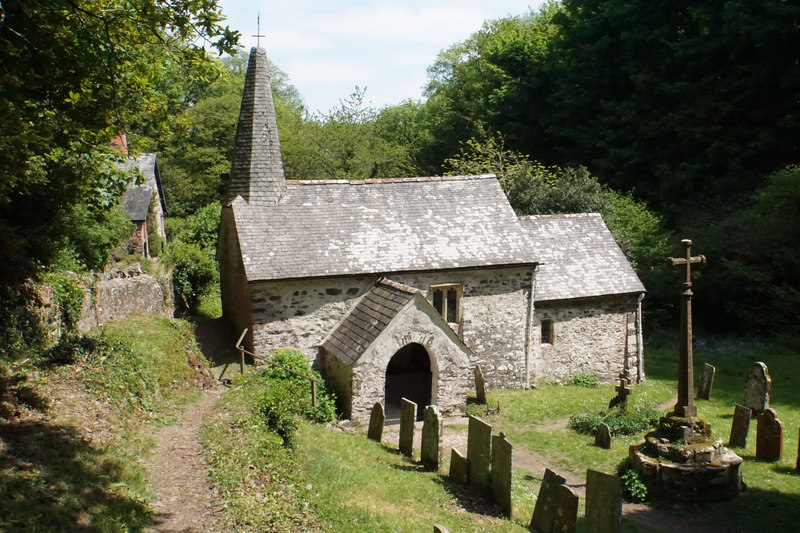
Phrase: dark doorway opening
(408, 375)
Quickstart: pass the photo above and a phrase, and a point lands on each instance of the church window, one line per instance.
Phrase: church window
(548, 334)
(447, 300)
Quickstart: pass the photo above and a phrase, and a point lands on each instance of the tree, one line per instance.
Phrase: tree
(74, 74)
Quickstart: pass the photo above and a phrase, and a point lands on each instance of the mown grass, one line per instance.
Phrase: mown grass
(773, 494)
(76, 464)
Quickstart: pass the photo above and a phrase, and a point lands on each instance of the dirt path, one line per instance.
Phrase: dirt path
(179, 475)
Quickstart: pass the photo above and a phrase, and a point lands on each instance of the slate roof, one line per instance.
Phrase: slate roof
(367, 320)
(331, 228)
(581, 258)
(136, 199)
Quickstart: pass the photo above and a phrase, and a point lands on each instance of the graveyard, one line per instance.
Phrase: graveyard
(351, 483)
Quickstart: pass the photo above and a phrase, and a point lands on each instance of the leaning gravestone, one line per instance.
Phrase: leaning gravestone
(602, 436)
(740, 426)
(377, 419)
(458, 467)
(502, 460)
(545, 510)
(566, 516)
(431, 455)
(479, 453)
(769, 437)
(706, 382)
(480, 385)
(408, 416)
(603, 503)
(756, 390)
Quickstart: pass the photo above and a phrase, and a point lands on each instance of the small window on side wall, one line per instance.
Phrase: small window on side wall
(548, 334)
(447, 300)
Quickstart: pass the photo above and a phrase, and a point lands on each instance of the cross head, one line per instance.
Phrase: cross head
(258, 31)
(621, 399)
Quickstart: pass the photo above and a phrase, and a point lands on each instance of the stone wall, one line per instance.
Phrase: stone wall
(112, 296)
(494, 310)
(589, 336)
(234, 289)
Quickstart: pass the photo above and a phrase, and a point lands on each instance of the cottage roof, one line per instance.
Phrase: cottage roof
(581, 258)
(367, 320)
(331, 228)
(136, 199)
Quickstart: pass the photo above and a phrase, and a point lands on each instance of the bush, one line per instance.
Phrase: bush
(618, 422)
(589, 381)
(193, 272)
(289, 396)
(633, 487)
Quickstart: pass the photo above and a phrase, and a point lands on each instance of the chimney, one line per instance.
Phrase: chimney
(120, 144)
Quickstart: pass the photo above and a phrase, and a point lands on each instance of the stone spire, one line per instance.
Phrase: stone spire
(257, 168)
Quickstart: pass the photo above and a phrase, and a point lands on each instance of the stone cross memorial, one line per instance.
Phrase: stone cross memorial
(769, 437)
(377, 420)
(706, 382)
(685, 407)
(756, 389)
(740, 426)
(621, 399)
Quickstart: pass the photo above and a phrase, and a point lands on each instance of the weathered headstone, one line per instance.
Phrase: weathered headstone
(439, 528)
(603, 503)
(706, 382)
(458, 467)
(602, 436)
(740, 426)
(545, 510)
(377, 419)
(408, 416)
(769, 436)
(502, 459)
(431, 454)
(566, 516)
(479, 453)
(480, 385)
(621, 399)
(756, 389)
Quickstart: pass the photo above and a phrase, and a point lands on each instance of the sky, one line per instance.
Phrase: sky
(328, 47)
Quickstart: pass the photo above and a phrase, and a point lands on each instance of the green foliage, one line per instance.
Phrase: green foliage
(633, 487)
(631, 423)
(288, 395)
(69, 296)
(193, 272)
(74, 76)
(589, 381)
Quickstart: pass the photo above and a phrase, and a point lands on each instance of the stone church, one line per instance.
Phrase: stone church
(399, 287)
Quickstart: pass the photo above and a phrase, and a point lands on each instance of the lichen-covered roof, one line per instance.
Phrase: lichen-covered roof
(136, 199)
(581, 258)
(331, 228)
(367, 319)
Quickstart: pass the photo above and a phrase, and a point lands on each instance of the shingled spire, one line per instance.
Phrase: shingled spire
(257, 168)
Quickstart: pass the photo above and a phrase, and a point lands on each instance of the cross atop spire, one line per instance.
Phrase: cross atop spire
(258, 35)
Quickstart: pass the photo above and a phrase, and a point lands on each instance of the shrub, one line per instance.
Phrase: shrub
(618, 422)
(193, 272)
(288, 396)
(590, 381)
(633, 487)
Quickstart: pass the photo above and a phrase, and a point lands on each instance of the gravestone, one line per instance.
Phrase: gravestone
(458, 467)
(621, 399)
(756, 389)
(704, 391)
(431, 455)
(602, 436)
(740, 426)
(603, 503)
(545, 510)
(480, 385)
(769, 436)
(566, 516)
(439, 528)
(502, 459)
(408, 416)
(479, 453)
(377, 419)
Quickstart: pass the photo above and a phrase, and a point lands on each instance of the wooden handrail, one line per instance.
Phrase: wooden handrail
(243, 351)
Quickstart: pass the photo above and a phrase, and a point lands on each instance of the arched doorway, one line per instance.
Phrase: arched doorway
(408, 375)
